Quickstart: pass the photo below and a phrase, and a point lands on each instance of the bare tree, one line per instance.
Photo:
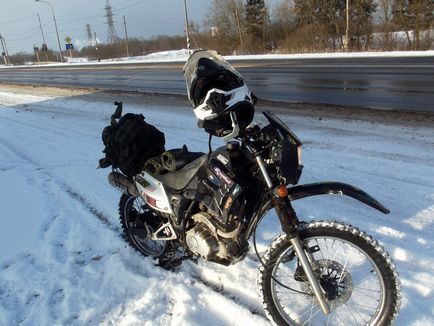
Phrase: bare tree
(388, 42)
(415, 16)
(283, 18)
(361, 12)
(282, 24)
(322, 21)
(224, 19)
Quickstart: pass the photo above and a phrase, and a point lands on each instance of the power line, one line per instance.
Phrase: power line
(131, 5)
(24, 38)
(150, 22)
(74, 20)
(66, 30)
(15, 20)
(23, 32)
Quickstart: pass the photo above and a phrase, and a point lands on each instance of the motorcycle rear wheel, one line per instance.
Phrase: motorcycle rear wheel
(138, 220)
(358, 276)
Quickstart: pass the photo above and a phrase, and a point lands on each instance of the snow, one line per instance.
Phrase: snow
(63, 261)
(183, 54)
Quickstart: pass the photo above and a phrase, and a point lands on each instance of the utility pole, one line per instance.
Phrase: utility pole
(4, 52)
(347, 29)
(186, 25)
(55, 25)
(7, 52)
(96, 46)
(5, 49)
(43, 39)
(238, 22)
(126, 37)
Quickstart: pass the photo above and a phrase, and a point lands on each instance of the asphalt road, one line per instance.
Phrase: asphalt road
(387, 83)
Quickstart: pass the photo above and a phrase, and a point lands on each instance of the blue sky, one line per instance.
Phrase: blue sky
(145, 18)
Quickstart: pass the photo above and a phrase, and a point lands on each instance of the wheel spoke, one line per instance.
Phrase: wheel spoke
(311, 316)
(350, 309)
(343, 271)
(322, 254)
(309, 309)
(337, 317)
(368, 294)
(363, 306)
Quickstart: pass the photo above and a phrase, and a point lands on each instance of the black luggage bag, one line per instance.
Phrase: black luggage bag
(129, 141)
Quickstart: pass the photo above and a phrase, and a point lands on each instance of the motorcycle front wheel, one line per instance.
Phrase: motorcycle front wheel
(138, 221)
(358, 277)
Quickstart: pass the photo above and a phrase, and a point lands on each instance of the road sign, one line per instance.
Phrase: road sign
(68, 39)
(69, 46)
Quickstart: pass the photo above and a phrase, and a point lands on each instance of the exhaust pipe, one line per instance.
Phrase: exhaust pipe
(122, 183)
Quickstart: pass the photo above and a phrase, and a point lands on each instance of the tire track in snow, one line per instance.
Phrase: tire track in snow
(219, 288)
(216, 288)
(63, 186)
(63, 132)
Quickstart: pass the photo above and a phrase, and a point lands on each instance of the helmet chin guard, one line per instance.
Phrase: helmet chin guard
(226, 113)
(218, 101)
(235, 128)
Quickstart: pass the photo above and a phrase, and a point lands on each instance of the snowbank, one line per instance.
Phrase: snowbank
(183, 54)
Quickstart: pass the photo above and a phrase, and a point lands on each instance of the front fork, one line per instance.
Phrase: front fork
(288, 220)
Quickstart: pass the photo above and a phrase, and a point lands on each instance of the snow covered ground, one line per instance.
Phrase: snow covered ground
(62, 259)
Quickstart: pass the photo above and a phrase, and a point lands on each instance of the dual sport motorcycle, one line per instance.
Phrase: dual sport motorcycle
(188, 205)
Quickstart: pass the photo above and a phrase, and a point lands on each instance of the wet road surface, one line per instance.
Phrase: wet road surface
(387, 83)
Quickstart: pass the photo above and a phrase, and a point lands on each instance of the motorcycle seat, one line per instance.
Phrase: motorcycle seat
(179, 179)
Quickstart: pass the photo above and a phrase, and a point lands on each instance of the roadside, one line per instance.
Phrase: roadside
(180, 56)
(320, 111)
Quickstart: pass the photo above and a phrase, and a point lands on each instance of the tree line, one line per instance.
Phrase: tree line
(318, 25)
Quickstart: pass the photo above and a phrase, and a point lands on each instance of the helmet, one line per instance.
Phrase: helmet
(221, 101)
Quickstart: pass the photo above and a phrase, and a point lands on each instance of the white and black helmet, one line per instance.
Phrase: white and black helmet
(222, 102)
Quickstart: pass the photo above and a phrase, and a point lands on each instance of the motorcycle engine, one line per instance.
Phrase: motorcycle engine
(212, 244)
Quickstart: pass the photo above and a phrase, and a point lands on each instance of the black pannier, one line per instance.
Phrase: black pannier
(130, 141)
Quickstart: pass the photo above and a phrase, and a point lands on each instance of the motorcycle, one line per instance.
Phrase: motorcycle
(209, 207)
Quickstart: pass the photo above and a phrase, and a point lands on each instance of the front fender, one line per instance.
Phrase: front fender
(335, 188)
(316, 189)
